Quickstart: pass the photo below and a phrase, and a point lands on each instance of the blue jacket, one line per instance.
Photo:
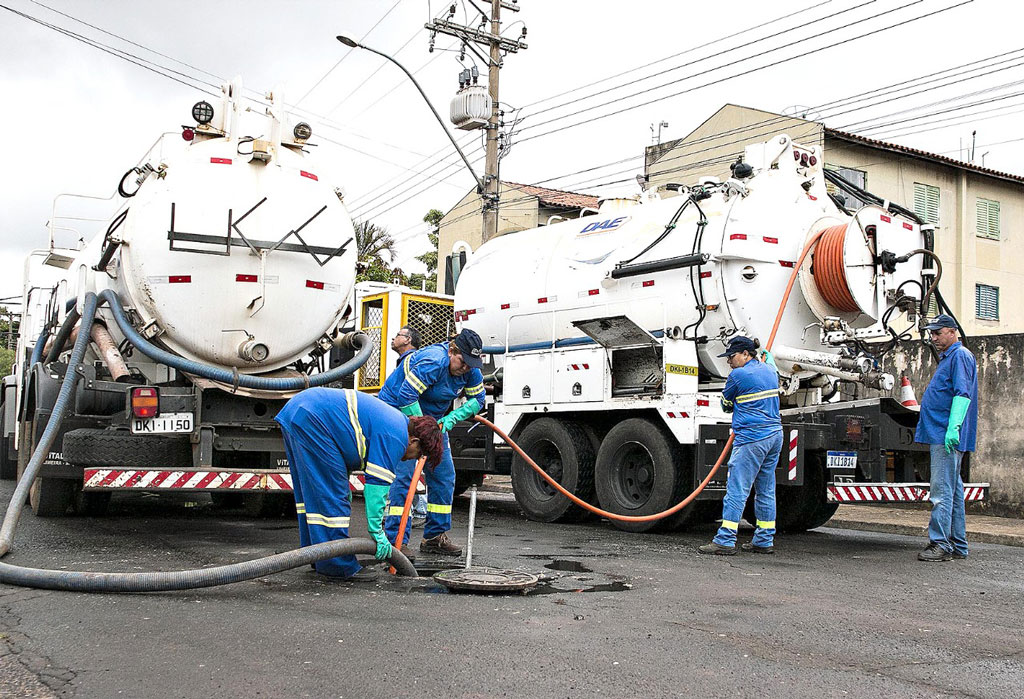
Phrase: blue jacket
(752, 391)
(423, 376)
(956, 375)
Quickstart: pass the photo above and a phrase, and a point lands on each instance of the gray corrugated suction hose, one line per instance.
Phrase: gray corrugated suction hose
(85, 581)
(359, 341)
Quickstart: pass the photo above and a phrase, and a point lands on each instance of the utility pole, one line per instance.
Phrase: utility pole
(496, 45)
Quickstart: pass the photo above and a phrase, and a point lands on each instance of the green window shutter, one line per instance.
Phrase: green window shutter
(988, 218)
(986, 302)
(926, 202)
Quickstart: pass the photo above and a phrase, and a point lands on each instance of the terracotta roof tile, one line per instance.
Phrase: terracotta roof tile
(555, 197)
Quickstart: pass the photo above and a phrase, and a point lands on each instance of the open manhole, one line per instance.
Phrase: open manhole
(486, 580)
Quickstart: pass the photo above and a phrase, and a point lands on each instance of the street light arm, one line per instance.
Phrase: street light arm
(354, 44)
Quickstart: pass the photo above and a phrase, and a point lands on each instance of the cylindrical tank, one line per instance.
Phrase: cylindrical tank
(523, 290)
(235, 260)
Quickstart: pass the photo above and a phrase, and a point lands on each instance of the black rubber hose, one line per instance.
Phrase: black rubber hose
(61, 339)
(87, 581)
(360, 341)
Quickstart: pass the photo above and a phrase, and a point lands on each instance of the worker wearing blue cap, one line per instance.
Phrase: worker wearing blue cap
(425, 383)
(948, 423)
(751, 394)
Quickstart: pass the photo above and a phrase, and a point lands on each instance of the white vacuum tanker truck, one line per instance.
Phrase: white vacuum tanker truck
(605, 332)
(223, 283)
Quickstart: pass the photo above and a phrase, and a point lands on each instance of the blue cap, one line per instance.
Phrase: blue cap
(941, 321)
(471, 346)
(738, 344)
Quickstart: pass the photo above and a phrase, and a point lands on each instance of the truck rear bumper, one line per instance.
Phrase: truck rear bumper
(861, 493)
(201, 480)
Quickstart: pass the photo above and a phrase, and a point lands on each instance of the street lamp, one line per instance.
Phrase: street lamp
(352, 43)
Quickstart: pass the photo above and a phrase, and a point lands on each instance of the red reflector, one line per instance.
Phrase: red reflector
(470, 312)
(796, 156)
(812, 197)
(593, 292)
(245, 278)
(703, 402)
(180, 279)
(310, 284)
(887, 219)
(188, 134)
(649, 282)
(542, 299)
(738, 236)
(908, 226)
(705, 275)
(766, 239)
(310, 175)
(220, 161)
(145, 402)
(786, 263)
(506, 306)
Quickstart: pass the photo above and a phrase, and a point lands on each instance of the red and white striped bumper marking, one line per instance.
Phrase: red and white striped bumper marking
(675, 414)
(895, 492)
(155, 479)
(579, 367)
(793, 443)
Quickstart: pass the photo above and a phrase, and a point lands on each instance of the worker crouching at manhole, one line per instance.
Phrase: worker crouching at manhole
(425, 383)
(330, 432)
(751, 394)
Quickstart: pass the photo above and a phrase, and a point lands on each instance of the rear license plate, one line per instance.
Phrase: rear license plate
(164, 424)
(841, 459)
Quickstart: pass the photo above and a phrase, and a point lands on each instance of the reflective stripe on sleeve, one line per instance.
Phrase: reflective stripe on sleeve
(413, 380)
(329, 522)
(730, 525)
(749, 397)
(766, 525)
(439, 509)
(379, 472)
(475, 390)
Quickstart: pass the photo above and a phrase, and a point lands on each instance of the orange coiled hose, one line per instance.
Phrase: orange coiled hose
(830, 271)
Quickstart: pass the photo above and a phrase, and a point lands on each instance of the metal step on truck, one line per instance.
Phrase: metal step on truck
(604, 333)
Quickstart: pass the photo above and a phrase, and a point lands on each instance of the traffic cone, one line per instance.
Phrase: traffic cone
(907, 397)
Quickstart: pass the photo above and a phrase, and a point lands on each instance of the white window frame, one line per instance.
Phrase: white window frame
(986, 309)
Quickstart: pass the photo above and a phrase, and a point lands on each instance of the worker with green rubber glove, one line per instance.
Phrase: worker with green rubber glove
(948, 423)
(426, 383)
(329, 433)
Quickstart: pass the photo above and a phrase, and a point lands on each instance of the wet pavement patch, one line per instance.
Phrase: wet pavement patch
(568, 566)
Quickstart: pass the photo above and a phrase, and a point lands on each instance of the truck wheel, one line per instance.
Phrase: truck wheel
(267, 505)
(564, 451)
(811, 508)
(92, 504)
(467, 479)
(637, 474)
(52, 497)
(115, 448)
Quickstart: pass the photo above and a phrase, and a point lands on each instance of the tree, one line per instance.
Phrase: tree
(429, 258)
(374, 242)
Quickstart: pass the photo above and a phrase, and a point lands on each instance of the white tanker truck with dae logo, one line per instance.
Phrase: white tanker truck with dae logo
(222, 286)
(605, 332)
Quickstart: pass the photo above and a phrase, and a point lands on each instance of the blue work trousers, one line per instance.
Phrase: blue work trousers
(323, 497)
(948, 526)
(751, 464)
(440, 491)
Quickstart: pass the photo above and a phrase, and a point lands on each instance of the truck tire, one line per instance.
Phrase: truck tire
(638, 473)
(813, 508)
(466, 479)
(564, 451)
(115, 448)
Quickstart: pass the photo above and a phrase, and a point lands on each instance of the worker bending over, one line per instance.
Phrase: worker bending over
(330, 432)
(751, 394)
(425, 383)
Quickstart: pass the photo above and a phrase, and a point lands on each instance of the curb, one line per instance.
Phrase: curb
(922, 531)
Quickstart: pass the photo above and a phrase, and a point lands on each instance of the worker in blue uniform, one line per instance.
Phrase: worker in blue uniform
(751, 394)
(425, 383)
(330, 432)
(948, 424)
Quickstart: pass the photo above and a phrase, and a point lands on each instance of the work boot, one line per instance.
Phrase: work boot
(758, 549)
(934, 553)
(409, 553)
(365, 574)
(959, 556)
(440, 544)
(717, 549)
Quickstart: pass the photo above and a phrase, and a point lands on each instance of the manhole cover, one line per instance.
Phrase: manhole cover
(485, 580)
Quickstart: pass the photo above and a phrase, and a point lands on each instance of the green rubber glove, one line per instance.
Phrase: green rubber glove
(413, 410)
(957, 413)
(769, 359)
(727, 405)
(375, 497)
(466, 410)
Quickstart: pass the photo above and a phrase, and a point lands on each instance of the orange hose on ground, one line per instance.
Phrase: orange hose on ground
(408, 504)
(689, 498)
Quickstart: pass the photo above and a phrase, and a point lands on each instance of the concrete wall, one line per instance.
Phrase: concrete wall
(999, 459)
(967, 258)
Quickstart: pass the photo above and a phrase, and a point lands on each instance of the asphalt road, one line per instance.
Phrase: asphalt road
(834, 613)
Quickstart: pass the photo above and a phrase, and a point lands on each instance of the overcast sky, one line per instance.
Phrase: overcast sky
(76, 117)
